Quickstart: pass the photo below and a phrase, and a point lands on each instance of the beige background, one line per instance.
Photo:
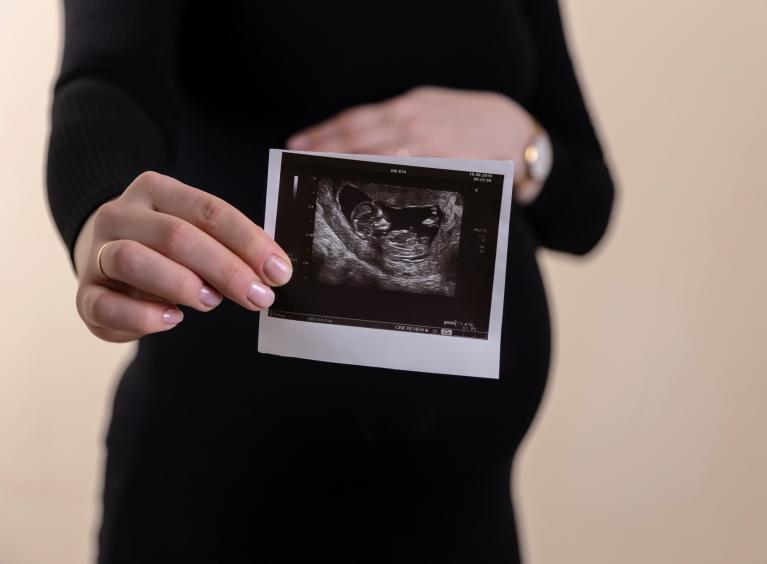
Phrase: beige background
(650, 444)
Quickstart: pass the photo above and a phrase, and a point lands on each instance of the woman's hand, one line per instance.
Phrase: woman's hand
(428, 121)
(167, 244)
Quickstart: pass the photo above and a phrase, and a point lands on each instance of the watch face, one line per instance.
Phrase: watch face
(538, 157)
(531, 154)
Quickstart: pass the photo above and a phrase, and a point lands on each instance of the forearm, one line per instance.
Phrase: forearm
(572, 211)
(112, 113)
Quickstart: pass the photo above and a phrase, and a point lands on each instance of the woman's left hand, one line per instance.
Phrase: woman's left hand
(427, 121)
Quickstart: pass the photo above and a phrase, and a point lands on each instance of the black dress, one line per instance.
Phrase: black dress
(217, 453)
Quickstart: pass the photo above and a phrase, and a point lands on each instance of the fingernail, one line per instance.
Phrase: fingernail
(172, 316)
(260, 295)
(299, 142)
(209, 297)
(277, 270)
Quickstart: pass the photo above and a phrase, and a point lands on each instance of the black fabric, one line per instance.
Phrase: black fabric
(219, 454)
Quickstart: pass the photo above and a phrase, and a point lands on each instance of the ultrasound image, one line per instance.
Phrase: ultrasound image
(388, 237)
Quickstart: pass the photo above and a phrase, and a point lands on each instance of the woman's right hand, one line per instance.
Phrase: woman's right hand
(166, 244)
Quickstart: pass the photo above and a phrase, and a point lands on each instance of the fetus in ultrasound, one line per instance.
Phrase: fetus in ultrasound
(389, 237)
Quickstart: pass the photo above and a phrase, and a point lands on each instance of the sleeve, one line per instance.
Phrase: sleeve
(572, 211)
(112, 113)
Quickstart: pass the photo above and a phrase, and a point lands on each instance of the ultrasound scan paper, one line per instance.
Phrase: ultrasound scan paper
(398, 262)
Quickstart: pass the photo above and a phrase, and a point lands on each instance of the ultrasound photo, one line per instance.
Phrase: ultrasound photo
(398, 262)
(388, 237)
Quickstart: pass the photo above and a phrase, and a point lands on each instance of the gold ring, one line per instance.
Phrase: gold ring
(98, 258)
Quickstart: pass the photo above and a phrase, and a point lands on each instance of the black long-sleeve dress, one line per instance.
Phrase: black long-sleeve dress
(217, 453)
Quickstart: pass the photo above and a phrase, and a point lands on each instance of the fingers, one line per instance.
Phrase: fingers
(148, 271)
(172, 244)
(372, 128)
(115, 316)
(420, 122)
(225, 224)
(183, 243)
(111, 335)
(385, 140)
(346, 124)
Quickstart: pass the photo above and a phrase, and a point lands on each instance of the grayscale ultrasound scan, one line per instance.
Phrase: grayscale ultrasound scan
(389, 237)
(398, 247)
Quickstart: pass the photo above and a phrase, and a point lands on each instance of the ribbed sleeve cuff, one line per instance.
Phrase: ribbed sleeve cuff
(557, 182)
(573, 208)
(100, 141)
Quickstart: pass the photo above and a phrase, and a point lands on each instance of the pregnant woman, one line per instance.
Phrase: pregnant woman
(162, 117)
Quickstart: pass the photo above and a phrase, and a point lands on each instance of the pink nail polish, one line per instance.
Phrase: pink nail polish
(277, 270)
(260, 295)
(172, 316)
(209, 297)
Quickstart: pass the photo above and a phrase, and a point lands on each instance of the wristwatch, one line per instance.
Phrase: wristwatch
(538, 157)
